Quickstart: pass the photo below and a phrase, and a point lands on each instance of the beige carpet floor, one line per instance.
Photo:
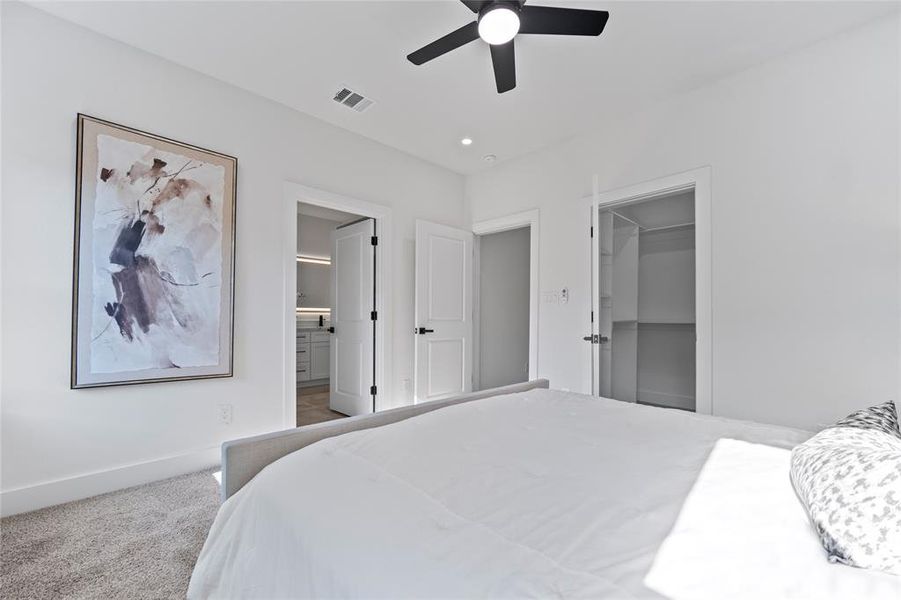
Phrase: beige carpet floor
(141, 542)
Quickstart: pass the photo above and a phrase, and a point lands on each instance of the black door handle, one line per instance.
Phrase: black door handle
(423, 330)
(331, 330)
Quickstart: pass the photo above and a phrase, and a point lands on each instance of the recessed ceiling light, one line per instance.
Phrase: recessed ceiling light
(466, 141)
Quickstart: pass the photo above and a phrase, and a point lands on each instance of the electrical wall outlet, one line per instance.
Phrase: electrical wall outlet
(225, 414)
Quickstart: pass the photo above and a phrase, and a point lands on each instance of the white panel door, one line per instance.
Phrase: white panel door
(443, 311)
(351, 366)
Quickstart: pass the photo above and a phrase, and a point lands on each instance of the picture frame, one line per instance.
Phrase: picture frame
(154, 258)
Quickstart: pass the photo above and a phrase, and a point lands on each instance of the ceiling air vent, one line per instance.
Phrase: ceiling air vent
(352, 99)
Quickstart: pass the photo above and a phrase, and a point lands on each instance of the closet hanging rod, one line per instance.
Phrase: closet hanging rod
(649, 229)
(626, 219)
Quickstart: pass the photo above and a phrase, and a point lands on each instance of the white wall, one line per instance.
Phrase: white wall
(314, 238)
(58, 444)
(804, 158)
(314, 235)
(504, 307)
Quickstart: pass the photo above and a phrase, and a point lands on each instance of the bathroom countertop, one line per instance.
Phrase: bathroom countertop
(311, 325)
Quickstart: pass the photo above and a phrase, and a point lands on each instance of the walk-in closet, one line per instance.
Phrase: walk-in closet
(647, 301)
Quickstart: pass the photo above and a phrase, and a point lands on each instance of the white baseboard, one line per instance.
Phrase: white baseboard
(49, 493)
(666, 400)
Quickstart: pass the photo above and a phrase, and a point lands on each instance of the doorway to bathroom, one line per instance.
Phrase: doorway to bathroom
(336, 313)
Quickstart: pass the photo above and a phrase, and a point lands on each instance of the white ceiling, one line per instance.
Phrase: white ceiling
(301, 53)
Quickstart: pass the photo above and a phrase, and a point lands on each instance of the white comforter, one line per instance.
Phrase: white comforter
(538, 494)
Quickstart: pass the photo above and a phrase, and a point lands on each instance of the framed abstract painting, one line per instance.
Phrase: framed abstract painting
(153, 284)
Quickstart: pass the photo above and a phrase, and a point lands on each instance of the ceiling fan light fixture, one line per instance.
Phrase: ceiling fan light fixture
(498, 25)
(500, 21)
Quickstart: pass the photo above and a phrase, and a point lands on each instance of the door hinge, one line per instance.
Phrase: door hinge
(591, 231)
(592, 316)
(374, 240)
(374, 315)
(373, 390)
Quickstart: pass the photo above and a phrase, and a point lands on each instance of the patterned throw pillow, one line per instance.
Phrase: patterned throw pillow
(883, 417)
(848, 477)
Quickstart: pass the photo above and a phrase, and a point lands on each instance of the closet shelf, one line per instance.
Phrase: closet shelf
(654, 321)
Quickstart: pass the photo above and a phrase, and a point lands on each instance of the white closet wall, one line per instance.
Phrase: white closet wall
(666, 365)
(666, 275)
(666, 317)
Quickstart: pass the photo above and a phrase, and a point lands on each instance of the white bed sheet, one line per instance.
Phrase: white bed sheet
(536, 494)
(743, 528)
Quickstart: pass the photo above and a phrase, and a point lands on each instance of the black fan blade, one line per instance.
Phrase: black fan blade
(504, 60)
(475, 5)
(562, 21)
(453, 40)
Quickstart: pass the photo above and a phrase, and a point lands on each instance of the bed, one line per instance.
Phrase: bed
(521, 492)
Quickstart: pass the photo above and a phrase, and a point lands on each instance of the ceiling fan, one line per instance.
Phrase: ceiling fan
(499, 21)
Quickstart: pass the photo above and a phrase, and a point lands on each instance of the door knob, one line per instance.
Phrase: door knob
(423, 330)
(331, 330)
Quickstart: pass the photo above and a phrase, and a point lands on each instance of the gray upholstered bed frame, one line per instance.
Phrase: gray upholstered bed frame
(244, 458)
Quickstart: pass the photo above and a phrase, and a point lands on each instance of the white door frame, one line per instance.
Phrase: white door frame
(530, 219)
(293, 194)
(700, 180)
